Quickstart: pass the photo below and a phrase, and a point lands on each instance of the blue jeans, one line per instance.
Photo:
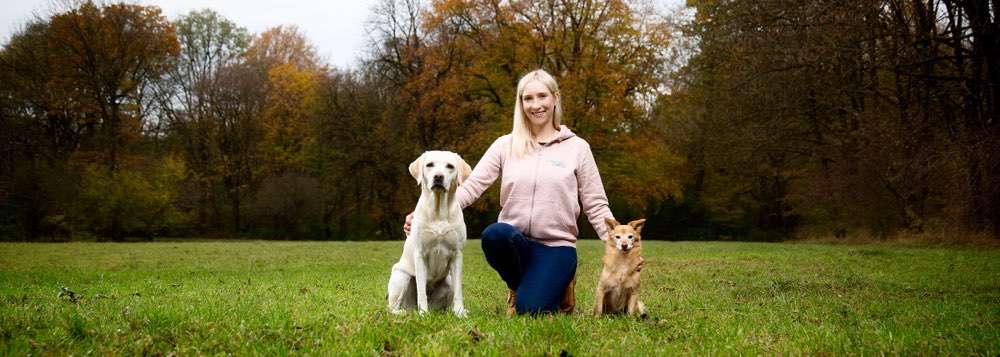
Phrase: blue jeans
(538, 273)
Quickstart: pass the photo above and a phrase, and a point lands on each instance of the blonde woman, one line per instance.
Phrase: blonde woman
(548, 175)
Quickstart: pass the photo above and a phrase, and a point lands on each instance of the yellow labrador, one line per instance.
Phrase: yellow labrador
(429, 273)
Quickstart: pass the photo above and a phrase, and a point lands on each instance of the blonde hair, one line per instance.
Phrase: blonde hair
(522, 140)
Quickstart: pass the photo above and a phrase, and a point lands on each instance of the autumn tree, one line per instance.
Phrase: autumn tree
(972, 35)
(104, 58)
(287, 118)
(286, 69)
(455, 66)
(189, 97)
(237, 106)
(36, 138)
(838, 115)
(78, 96)
(361, 162)
(281, 45)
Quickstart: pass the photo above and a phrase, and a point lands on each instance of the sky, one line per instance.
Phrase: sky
(335, 27)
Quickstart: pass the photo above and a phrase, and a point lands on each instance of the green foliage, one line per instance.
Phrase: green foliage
(133, 201)
(323, 298)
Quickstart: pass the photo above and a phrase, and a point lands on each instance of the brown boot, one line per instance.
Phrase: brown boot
(511, 297)
(569, 298)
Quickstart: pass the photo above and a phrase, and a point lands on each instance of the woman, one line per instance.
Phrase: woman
(547, 175)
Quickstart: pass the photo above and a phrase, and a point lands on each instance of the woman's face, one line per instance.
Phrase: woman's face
(538, 104)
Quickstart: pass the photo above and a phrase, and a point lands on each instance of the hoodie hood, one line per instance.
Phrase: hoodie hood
(564, 133)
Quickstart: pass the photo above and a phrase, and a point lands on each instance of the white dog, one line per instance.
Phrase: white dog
(429, 273)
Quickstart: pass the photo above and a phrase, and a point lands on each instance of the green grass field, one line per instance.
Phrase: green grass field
(328, 298)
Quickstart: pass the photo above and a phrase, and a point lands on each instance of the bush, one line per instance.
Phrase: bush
(130, 202)
(288, 206)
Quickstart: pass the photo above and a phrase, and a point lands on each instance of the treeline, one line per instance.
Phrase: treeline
(120, 123)
(838, 117)
(752, 120)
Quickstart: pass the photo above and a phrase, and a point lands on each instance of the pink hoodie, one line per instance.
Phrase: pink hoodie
(541, 193)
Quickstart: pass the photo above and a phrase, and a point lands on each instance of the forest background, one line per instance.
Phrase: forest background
(734, 120)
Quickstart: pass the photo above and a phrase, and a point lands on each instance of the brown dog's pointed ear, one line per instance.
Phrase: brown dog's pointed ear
(415, 168)
(611, 222)
(637, 225)
(465, 170)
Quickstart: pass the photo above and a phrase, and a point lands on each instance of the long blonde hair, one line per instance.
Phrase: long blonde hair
(522, 140)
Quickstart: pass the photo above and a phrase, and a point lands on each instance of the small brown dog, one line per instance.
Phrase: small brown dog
(618, 287)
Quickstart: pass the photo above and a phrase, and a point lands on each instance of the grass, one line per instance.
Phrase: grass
(328, 298)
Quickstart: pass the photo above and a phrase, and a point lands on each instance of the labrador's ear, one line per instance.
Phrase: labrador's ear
(637, 225)
(415, 168)
(464, 170)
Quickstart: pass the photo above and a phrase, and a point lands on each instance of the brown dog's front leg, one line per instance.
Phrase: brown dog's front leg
(599, 300)
(633, 304)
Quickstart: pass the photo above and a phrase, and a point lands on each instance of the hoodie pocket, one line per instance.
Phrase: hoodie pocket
(516, 212)
(552, 221)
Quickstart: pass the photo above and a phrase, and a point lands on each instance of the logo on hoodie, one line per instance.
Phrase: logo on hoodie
(557, 163)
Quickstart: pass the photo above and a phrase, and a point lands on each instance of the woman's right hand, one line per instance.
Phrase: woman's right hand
(407, 224)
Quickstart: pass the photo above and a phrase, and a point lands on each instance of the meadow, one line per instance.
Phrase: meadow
(322, 298)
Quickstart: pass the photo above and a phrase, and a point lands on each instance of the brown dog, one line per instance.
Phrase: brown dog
(618, 287)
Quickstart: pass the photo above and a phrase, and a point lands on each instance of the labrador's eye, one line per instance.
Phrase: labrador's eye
(430, 164)
(450, 166)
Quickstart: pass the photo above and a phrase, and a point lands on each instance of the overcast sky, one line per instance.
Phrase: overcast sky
(335, 27)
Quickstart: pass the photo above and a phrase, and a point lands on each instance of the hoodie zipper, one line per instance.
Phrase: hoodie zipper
(534, 185)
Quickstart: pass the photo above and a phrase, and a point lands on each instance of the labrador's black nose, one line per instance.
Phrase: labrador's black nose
(438, 178)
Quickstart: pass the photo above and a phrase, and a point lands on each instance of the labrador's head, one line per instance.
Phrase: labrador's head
(624, 237)
(439, 170)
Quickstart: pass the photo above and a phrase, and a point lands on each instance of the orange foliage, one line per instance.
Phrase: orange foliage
(607, 56)
(286, 118)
